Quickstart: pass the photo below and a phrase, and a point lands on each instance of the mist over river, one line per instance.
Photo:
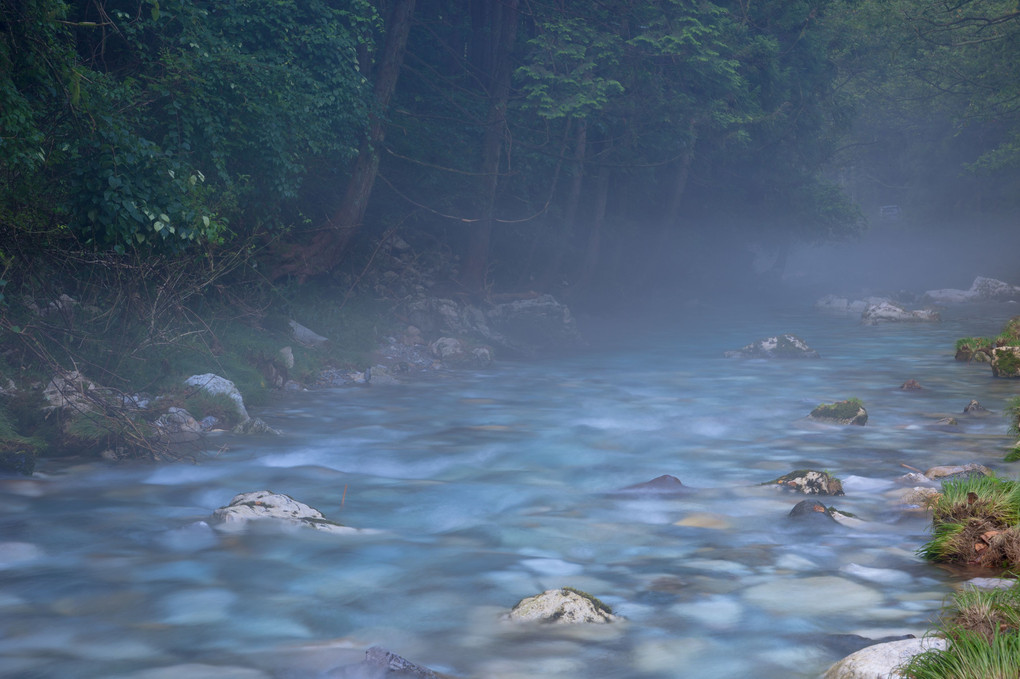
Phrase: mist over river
(485, 487)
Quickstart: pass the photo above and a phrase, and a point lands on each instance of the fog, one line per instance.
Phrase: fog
(915, 259)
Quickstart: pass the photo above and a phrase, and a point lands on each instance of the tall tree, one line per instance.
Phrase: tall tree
(330, 244)
(498, 31)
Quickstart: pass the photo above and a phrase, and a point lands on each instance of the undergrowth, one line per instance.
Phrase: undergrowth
(982, 628)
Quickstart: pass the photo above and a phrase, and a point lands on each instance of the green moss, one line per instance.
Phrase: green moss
(840, 410)
(596, 602)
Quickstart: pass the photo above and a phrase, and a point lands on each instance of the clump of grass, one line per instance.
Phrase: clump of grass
(972, 343)
(976, 521)
(983, 631)
(596, 602)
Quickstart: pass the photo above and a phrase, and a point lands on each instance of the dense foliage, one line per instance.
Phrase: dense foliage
(532, 138)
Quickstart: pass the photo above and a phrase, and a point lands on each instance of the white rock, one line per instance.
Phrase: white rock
(214, 384)
(881, 660)
(306, 336)
(886, 312)
(561, 606)
(265, 505)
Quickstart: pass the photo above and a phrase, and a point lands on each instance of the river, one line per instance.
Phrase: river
(484, 487)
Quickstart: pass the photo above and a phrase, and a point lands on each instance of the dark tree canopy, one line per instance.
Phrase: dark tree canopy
(543, 141)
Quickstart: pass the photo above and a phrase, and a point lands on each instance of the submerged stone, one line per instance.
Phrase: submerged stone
(777, 346)
(665, 483)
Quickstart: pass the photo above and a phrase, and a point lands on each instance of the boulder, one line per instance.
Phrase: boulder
(981, 290)
(811, 510)
(534, 325)
(882, 660)
(304, 336)
(919, 496)
(562, 606)
(888, 312)
(453, 353)
(809, 482)
(777, 346)
(524, 327)
(850, 411)
(177, 425)
(273, 508)
(974, 408)
(911, 385)
(71, 390)
(382, 663)
(214, 384)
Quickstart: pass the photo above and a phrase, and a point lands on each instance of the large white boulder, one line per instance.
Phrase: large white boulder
(562, 606)
(881, 660)
(274, 508)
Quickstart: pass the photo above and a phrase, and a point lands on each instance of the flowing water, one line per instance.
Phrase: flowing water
(482, 488)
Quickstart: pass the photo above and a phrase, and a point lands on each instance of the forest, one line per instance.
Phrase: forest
(164, 160)
(543, 143)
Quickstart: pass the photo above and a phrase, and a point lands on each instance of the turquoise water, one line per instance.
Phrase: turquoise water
(481, 488)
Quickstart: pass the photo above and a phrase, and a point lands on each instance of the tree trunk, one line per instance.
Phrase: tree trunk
(503, 35)
(566, 230)
(593, 249)
(329, 245)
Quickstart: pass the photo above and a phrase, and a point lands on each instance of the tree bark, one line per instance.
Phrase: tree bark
(328, 246)
(504, 34)
(566, 228)
(593, 249)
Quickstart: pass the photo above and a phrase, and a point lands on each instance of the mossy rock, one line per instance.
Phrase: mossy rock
(809, 482)
(1006, 361)
(850, 411)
